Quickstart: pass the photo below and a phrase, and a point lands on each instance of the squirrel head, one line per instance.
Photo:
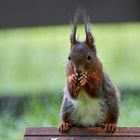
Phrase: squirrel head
(82, 56)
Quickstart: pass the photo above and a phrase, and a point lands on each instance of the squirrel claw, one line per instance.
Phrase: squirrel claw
(109, 127)
(64, 127)
(82, 81)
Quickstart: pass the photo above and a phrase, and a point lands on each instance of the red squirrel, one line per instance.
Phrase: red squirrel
(90, 98)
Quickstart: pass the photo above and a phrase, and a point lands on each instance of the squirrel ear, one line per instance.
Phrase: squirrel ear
(73, 34)
(89, 39)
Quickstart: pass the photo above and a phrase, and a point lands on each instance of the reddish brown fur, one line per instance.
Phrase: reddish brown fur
(108, 118)
(94, 80)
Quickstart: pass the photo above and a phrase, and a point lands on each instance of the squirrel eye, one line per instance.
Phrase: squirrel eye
(89, 57)
(69, 58)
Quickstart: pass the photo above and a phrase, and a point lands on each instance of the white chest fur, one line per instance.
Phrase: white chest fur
(88, 111)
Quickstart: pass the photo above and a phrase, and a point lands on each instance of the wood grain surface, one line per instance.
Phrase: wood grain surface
(91, 133)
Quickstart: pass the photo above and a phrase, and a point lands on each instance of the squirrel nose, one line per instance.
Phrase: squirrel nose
(78, 71)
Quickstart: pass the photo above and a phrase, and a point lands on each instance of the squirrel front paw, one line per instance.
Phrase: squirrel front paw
(109, 127)
(82, 81)
(72, 79)
(72, 83)
(75, 83)
(64, 127)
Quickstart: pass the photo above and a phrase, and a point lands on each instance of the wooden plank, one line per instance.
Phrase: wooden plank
(81, 138)
(82, 132)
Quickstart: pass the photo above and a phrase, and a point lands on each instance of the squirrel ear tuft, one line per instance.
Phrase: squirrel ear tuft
(89, 38)
(74, 23)
(73, 33)
(73, 30)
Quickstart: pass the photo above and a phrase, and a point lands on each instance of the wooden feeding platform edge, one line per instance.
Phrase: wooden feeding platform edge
(76, 133)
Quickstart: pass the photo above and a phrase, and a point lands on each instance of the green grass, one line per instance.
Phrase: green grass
(38, 114)
(32, 60)
(129, 113)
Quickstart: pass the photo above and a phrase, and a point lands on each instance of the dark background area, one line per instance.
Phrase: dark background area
(17, 13)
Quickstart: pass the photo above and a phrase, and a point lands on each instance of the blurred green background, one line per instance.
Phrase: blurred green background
(32, 73)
